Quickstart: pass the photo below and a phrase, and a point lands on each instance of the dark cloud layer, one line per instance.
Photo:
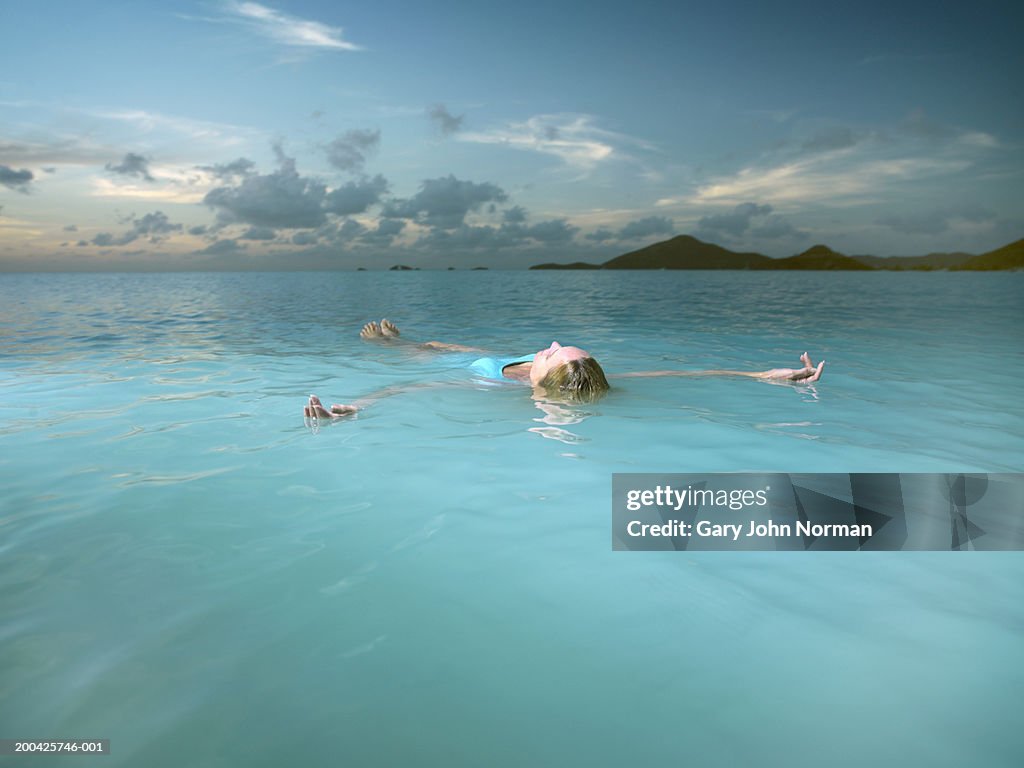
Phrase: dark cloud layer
(445, 120)
(652, 225)
(16, 180)
(648, 227)
(935, 221)
(348, 152)
(156, 226)
(132, 165)
(355, 196)
(444, 203)
(516, 235)
(744, 219)
(285, 199)
(514, 215)
(223, 248)
(235, 169)
(282, 199)
(385, 233)
(258, 233)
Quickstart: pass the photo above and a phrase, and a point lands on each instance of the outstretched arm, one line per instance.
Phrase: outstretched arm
(385, 330)
(804, 375)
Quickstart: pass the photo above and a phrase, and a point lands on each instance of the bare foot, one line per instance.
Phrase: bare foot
(816, 375)
(805, 375)
(387, 328)
(316, 410)
(371, 331)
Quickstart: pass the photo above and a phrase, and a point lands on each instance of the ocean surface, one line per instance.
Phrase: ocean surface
(190, 570)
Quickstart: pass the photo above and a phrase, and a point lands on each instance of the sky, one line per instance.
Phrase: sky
(298, 134)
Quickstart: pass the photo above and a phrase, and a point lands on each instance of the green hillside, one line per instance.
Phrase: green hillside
(818, 257)
(1008, 257)
(686, 252)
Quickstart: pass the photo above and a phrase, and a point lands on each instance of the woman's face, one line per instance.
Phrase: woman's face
(552, 357)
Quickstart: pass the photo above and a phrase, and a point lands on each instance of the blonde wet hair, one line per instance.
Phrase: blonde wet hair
(580, 380)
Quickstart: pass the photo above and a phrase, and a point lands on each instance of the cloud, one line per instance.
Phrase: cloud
(285, 29)
(281, 200)
(347, 230)
(222, 248)
(601, 235)
(935, 221)
(387, 230)
(132, 165)
(16, 180)
(156, 226)
(740, 220)
(775, 228)
(284, 199)
(573, 139)
(733, 224)
(446, 121)
(828, 139)
(444, 202)
(850, 166)
(652, 225)
(746, 218)
(486, 237)
(258, 233)
(140, 120)
(355, 196)
(514, 215)
(239, 168)
(552, 231)
(827, 177)
(634, 230)
(348, 152)
(71, 228)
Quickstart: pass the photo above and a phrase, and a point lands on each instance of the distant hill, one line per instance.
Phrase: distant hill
(1008, 257)
(817, 257)
(686, 252)
(931, 261)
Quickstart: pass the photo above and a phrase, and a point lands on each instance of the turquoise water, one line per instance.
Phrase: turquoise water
(189, 570)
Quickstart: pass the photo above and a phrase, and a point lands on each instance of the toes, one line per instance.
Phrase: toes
(388, 328)
(370, 330)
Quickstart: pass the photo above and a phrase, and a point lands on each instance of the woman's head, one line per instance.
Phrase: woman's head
(568, 372)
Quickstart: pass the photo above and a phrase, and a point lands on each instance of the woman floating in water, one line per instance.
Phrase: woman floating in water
(561, 373)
